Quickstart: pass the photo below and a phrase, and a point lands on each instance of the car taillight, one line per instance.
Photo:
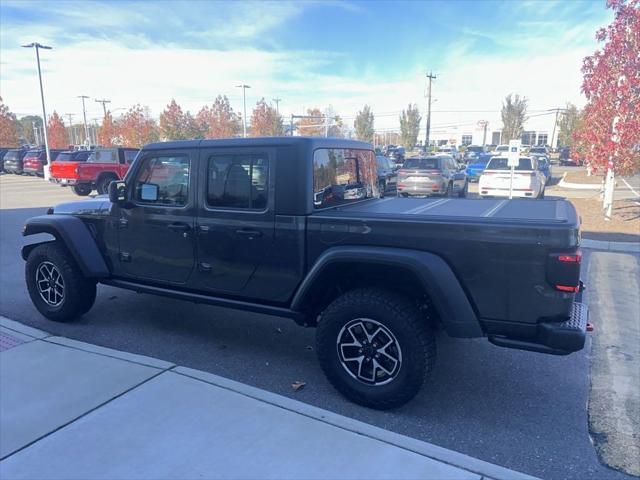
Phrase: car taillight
(576, 258)
(563, 271)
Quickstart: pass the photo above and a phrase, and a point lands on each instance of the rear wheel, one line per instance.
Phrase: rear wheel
(541, 195)
(375, 347)
(449, 191)
(56, 285)
(82, 190)
(102, 185)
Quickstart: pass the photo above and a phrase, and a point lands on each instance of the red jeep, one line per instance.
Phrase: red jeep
(102, 167)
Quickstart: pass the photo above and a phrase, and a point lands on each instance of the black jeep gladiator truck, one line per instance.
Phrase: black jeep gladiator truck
(296, 227)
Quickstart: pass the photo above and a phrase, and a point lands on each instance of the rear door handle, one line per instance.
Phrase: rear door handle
(245, 232)
(179, 227)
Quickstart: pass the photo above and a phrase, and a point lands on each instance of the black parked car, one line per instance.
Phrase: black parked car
(3, 151)
(387, 175)
(308, 238)
(13, 160)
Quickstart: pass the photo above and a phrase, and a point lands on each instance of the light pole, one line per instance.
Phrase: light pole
(72, 136)
(244, 108)
(104, 104)
(37, 48)
(84, 114)
(431, 77)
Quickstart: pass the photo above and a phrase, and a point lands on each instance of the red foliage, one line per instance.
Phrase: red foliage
(56, 133)
(219, 120)
(137, 128)
(610, 127)
(108, 131)
(9, 135)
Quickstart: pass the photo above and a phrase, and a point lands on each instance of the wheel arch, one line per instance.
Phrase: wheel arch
(412, 272)
(75, 236)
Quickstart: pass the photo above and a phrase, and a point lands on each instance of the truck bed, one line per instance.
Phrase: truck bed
(544, 212)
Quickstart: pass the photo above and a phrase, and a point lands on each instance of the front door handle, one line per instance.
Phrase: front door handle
(179, 227)
(245, 232)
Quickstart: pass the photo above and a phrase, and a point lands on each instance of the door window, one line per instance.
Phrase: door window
(238, 181)
(163, 181)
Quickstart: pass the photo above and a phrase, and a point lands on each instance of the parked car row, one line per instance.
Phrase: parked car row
(82, 170)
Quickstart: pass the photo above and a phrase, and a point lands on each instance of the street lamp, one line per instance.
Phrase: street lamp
(37, 48)
(244, 108)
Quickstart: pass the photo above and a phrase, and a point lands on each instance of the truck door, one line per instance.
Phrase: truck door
(235, 221)
(156, 231)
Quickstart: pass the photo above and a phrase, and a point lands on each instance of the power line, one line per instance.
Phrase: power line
(104, 105)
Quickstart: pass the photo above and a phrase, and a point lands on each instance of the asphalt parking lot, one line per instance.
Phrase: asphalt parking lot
(521, 410)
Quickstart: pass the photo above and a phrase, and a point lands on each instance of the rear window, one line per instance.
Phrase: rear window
(80, 155)
(32, 154)
(421, 163)
(12, 155)
(64, 157)
(342, 176)
(103, 156)
(130, 155)
(501, 164)
(502, 148)
(538, 150)
(474, 148)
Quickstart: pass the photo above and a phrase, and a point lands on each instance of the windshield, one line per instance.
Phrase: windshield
(500, 163)
(421, 163)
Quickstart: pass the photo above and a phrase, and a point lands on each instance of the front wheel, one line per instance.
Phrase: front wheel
(375, 347)
(56, 285)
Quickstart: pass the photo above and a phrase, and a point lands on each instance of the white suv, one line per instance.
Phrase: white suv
(528, 181)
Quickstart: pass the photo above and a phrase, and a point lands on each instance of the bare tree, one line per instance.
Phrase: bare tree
(514, 112)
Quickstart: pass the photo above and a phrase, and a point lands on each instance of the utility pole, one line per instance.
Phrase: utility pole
(72, 137)
(104, 105)
(36, 134)
(84, 114)
(554, 127)
(431, 77)
(483, 124)
(37, 48)
(277, 100)
(244, 108)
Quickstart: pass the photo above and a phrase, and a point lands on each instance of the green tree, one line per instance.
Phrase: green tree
(568, 122)
(26, 128)
(410, 126)
(364, 124)
(514, 112)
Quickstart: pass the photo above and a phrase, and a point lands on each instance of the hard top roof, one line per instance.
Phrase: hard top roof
(313, 142)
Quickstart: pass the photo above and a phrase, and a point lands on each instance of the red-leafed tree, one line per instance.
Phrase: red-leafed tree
(266, 121)
(609, 134)
(9, 129)
(108, 131)
(176, 124)
(313, 125)
(219, 120)
(137, 128)
(56, 132)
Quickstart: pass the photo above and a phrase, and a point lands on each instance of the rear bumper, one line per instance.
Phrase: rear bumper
(420, 189)
(558, 338)
(64, 181)
(504, 192)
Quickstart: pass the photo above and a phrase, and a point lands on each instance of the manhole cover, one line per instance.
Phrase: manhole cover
(7, 341)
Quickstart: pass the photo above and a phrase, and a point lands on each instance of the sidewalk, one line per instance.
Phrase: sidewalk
(73, 410)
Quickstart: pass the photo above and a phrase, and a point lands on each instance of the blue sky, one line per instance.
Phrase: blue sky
(342, 54)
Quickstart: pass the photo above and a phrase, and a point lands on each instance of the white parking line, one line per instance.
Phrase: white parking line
(492, 211)
(631, 188)
(424, 208)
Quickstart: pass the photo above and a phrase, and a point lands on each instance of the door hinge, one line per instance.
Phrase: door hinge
(125, 257)
(204, 267)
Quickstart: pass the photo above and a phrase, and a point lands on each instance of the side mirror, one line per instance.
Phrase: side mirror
(149, 192)
(117, 192)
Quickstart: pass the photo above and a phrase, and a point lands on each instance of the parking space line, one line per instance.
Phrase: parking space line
(492, 211)
(423, 208)
(631, 188)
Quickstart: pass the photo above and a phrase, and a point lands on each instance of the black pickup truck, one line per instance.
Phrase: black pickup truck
(296, 227)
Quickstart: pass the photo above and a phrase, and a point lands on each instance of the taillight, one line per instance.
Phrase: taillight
(568, 288)
(577, 258)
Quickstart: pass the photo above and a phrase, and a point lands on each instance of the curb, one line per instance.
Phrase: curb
(450, 457)
(630, 247)
(578, 186)
(485, 469)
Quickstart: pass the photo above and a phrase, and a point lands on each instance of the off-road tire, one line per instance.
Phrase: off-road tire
(82, 190)
(402, 317)
(79, 292)
(102, 185)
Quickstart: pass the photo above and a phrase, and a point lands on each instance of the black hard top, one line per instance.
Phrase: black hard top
(313, 142)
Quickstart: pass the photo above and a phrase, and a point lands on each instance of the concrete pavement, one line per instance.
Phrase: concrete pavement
(74, 410)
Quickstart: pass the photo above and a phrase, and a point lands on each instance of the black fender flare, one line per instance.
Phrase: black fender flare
(75, 235)
(443, 287)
